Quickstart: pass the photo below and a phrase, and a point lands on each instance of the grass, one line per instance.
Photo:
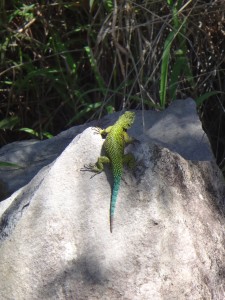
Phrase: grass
(65, 62)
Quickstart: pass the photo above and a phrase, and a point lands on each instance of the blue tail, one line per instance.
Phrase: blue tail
(116, 185)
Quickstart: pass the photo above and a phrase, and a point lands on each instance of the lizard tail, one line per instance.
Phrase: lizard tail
(116, 185)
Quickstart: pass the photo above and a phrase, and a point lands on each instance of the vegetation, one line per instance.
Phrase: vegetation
(64, 62)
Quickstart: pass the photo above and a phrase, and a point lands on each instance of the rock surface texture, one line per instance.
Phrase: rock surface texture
(169, 228)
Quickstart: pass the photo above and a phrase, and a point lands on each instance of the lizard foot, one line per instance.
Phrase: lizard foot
(97, 130)
(91, 168)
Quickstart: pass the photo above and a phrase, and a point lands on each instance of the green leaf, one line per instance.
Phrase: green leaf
(82, 112)
(47, 135)
(63, 53)
(8, 164)
(176, 71)
(108, 4)
(35, 133)
(164, 68)
(110, 109)
(179, 4)
(94, 66)
(170, 2)
(205, 96)
(181, 67)
(9, 123)
(30, 131)
(188, 73)
(91, 2)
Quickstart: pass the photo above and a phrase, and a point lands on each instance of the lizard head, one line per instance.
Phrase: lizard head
(127, 119)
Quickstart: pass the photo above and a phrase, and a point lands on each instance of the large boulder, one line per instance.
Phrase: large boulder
(168, 238)
(178, 128)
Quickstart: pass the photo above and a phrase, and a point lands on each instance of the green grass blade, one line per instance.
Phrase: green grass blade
(188, 73)
(36, 134)
(30, 131)
(8, 164)
(9, 123)
(108, 4)
(181, 67)
(164, 68)
(93, 63)
(88, 108)
(199, 100)
(176, 71)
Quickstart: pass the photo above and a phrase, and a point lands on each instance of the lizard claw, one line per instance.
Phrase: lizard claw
(97, 130)
(88, 167)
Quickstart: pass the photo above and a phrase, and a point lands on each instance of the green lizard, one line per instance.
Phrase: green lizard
(114, 144)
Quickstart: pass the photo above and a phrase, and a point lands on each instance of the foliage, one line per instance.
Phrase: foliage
(64, 62)
(9, 165)
(181, 64)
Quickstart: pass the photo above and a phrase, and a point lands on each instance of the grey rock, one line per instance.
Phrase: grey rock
(32, 156)
(177, 128)
(168, 239)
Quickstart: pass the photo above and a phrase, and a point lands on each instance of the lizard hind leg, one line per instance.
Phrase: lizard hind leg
(98, 167)
(129, 160)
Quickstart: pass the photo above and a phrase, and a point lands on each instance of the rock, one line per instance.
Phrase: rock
(168, 239)
(178, 128)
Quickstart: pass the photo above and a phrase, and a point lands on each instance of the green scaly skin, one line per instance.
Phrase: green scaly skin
(114, 145)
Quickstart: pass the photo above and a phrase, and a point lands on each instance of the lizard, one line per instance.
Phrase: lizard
(114, 145)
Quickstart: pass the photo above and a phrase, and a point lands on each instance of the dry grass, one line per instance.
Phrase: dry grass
(65, 62)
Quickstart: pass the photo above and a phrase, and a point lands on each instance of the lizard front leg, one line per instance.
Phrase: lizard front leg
(98, 167)
(101, 131)
(127, 139)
